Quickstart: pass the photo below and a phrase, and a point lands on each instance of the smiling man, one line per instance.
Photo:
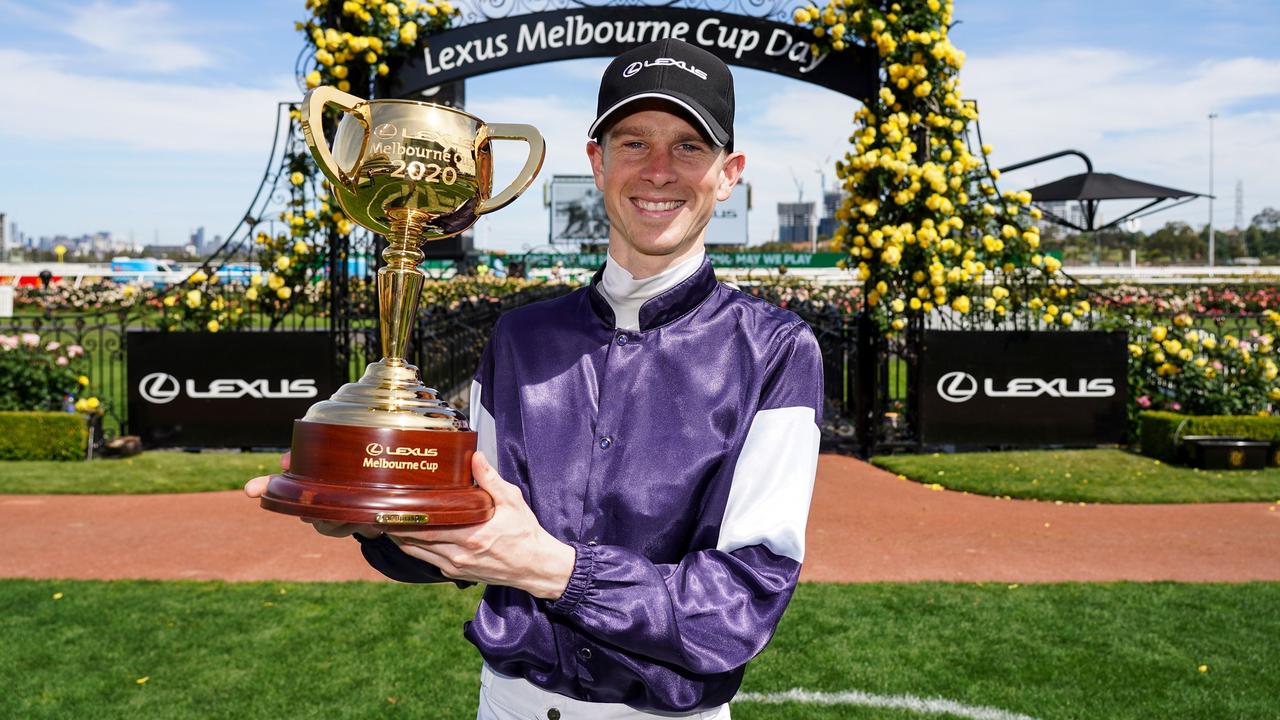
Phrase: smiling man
(650, 441)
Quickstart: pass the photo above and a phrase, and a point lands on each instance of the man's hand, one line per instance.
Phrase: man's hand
(332, 528)
(511, 548)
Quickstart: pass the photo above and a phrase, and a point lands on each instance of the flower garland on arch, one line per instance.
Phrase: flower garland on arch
(923, 223)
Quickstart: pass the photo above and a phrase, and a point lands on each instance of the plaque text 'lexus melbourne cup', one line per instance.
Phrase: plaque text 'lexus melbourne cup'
(386, 450)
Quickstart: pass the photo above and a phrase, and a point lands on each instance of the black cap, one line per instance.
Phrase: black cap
(675, 71)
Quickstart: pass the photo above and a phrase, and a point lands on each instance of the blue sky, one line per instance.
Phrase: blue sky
(148, 118)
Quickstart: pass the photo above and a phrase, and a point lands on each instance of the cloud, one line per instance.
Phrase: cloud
(141, 36)
(1136, 115)
(75, 107)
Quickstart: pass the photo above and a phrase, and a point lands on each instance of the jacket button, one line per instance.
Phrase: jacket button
(606, 442)
(622, 339)
(584, 653)
(553, 714)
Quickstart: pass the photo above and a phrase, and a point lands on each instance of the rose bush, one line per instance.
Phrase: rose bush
(40, 374)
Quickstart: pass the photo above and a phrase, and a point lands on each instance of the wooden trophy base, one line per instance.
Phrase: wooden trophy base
(392, 478)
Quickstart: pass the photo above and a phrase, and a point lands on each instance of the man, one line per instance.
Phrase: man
(650, 441)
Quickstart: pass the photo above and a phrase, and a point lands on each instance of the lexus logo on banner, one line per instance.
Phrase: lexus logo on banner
(160, 388)
(225, 390)
(1023, 388)
(961, 386)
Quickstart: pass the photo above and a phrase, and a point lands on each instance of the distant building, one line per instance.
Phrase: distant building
(795, 220)
(197, 239)
(4, 241)
(827, 222)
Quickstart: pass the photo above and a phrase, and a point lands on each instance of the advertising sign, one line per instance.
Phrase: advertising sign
(606, 31)
(241, 389)
(1023, 388)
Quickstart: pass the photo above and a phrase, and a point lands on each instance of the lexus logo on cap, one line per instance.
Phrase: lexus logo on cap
(159, 388)
(957, 386)
(637, 66)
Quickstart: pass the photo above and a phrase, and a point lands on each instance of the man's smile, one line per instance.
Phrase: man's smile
(657, 205)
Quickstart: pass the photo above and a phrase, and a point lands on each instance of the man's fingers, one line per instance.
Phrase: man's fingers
(488, 479)
(255, 487)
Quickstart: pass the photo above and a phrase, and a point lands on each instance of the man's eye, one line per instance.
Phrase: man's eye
(690, 148)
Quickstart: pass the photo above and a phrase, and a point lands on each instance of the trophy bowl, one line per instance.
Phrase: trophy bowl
(386, 450)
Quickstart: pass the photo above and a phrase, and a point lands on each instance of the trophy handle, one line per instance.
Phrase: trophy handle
(537, 153)
(313, 109)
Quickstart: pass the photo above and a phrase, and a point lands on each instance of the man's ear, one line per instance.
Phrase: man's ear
(595, 153)
(730, 174)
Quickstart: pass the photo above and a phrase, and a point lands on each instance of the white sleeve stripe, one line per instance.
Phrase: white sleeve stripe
(486, 429)
(773, 483)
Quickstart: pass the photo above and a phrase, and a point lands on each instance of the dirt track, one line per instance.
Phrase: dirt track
(865, 525)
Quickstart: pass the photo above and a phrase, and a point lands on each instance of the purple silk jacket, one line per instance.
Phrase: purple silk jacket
(678, 461)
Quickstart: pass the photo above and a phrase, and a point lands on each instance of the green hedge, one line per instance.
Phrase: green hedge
(42, 436)
(1158, 430)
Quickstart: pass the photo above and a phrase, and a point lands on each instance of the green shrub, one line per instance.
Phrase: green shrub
(42, 436)
(1159, 430)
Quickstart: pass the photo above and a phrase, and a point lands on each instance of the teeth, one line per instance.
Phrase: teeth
(659, 206)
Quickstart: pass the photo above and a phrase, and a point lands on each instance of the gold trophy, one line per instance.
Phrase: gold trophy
(386, 450)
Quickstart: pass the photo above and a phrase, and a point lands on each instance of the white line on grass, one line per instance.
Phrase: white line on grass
(934, 706)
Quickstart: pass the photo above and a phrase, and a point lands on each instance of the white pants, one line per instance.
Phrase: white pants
(508, 698)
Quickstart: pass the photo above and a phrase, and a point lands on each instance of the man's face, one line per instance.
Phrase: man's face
(661, 181)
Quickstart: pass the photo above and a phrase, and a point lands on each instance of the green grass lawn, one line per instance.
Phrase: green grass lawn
(1101, 475)
(368, 650)
(154, 471)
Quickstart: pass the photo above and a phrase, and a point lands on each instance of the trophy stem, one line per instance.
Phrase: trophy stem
(399, 287)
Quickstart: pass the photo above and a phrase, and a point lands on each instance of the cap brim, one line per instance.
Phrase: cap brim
(718, 135)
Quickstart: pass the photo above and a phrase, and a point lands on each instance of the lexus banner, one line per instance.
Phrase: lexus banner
(1023, 388)
(241, 389)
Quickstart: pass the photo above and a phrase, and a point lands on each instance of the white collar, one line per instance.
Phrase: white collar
(625, 294)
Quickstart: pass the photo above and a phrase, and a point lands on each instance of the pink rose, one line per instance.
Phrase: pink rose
(74, 351)
(52, 346)
(30, 339)
(1144, 401)
(62, 360)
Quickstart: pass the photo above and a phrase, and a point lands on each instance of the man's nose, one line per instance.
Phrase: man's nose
(659, 168)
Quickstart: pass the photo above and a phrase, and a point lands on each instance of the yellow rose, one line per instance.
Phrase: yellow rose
(170, 300)
(1159, 332)
(213, 326)
(297, 178)
(92, 403)
(251, 294)
(284, 293)
(83, 379)
(300, 248)
(193, 298)
(282, 263)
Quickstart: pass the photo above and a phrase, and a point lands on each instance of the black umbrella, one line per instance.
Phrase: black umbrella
(1091, 188)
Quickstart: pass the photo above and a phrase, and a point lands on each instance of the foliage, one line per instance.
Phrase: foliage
(1159, 432)
(1101, 475)
(158, 650)
(1165, 300)
(201, 303)
(95, 296)
(38, 375)
(51, 436)
(923, 221)
(357, 41)
(1179, 366)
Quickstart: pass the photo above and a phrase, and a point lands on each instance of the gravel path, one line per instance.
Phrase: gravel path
(865, 525)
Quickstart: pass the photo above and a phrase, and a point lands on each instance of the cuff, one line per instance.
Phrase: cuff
(584, 567)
